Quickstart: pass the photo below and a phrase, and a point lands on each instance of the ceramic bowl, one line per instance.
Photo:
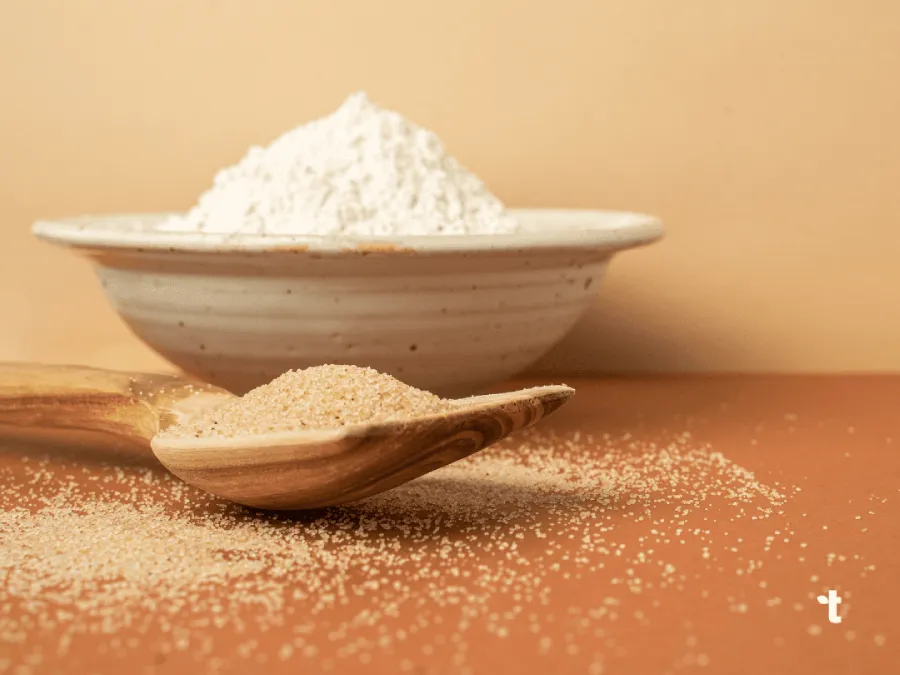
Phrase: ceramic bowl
(452, 314)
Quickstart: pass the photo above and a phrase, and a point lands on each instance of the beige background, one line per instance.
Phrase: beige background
(766, 134)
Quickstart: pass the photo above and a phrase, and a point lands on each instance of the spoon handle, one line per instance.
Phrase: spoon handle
(70, 404)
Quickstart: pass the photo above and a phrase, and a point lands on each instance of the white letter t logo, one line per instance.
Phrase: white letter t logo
(832, 600)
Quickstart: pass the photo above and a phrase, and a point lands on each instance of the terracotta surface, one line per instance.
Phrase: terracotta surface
(763, 133)
(833, 437)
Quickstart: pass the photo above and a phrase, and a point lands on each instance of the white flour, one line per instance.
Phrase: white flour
(361, 171)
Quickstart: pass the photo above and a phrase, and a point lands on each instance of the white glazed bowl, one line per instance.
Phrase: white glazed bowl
(452, 314)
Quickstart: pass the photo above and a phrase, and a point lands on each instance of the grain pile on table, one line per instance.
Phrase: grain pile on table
(475, 548)
(321, 397)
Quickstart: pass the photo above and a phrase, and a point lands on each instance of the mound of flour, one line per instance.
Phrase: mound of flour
(361, 171)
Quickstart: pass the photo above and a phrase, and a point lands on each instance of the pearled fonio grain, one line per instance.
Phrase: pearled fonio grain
(322, 397)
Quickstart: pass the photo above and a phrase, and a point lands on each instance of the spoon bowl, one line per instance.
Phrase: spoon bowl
(285, 470)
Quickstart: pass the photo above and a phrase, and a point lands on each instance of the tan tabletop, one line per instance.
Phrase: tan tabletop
(650, 526)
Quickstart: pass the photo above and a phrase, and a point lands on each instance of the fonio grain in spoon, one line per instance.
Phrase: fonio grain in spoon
(320, 397)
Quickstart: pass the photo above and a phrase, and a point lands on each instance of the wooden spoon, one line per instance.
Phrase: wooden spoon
(285, 470)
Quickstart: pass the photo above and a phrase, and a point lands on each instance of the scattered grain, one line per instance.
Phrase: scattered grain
(475, 546)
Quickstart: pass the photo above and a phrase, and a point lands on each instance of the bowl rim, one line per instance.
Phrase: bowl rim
(583, 229)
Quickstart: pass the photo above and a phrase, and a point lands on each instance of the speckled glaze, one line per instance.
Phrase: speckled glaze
(448, 314)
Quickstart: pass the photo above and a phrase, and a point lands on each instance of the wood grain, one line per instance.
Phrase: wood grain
(296, 471)
(59, 404)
